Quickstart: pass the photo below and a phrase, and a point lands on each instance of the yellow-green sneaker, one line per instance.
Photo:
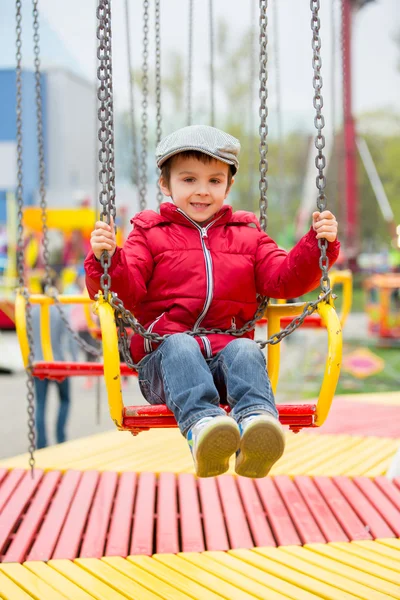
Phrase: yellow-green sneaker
(212, 441)
(262, 443)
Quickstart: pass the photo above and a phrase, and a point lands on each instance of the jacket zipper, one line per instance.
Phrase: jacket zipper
(148, 347)
(210, 281)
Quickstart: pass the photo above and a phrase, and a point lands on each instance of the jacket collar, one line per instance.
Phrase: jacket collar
(169, 211)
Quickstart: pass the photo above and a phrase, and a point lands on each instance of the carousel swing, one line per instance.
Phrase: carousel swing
(110, 308)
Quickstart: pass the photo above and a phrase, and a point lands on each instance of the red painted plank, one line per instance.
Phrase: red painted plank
(95, 537)
(191, 529)
(71, 534)
(387, 510)
(143, 524)
(371, 519)
(235, 518)
(3, 473)
(321, 512)
(17, 503)
(47, 537)
(396, 481)
(389, 489)
(343, 512)
(167, 541)
(9, 485)
(260, 529)
(213, 519)
(278, 516)
(23, 539)
(121, 521)
(302, 518)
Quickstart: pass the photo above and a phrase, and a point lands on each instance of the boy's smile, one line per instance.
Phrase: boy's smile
(197, 188)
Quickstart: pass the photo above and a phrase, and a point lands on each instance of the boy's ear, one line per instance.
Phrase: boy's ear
(164, 187)
(228, 189)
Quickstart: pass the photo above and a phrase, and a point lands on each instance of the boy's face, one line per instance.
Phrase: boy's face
(199, 189)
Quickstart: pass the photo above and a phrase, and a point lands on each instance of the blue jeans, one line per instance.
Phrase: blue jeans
(41, 388)
(177, 374)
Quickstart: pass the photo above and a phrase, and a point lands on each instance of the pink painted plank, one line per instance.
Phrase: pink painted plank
(191, 529)
(167, 541)
(302, 518)
(213, 520)
(143, 524)
(346, 516)
(389, 489)
(396, 481)
(26, 533)
(47, 537)
(387, 510)
(235, 518)
(17, 503)
(320, 510)
(3, 473)
(95, 536)
(371, 519)
(121, 521)
(279, 519)
(71, 535)
(9, 485)
(260, 529)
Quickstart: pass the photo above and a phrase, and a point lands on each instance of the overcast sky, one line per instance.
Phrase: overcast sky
(375, 58)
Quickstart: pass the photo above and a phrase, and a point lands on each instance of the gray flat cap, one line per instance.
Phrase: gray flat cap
(202, 138)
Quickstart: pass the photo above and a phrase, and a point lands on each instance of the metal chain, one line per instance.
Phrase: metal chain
(145, 104)
(263, 129)
(134, 165)
(212, 78)
(40, 142)
(190, 64)
(319, 122)
(252, 71)
(281, 150)
(158, 90)
(20, 247)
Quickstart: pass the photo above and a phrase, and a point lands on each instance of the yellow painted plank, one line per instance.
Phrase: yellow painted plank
(317, 449)
(386, 398)
(83, 579)
(316, 581)
(377, 587)
(31, 583)
(235, 578)
(362, 564)
(119, 582)
(284, 569)
(58, 582)
(261, 577)
(392, 543)
(383, 452)
(213, 583)
(189, 587)
(380, 548)
(361, 451)
(370, 554)
(10, 590)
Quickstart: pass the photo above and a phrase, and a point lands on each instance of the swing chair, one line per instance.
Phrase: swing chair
(110, 308)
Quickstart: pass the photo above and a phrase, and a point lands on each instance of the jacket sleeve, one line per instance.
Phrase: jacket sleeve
(130, 270)
(281, 274)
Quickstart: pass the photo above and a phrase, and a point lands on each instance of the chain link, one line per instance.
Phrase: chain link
(134, 165)
(212, 58)
(20, 243)
(145, 104)
(190, 65)
(263, 129)
(158, 91)
(319, 122)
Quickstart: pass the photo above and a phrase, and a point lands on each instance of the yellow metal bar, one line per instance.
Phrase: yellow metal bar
(45, 335)
(64, 219)
(112, 372)
(344, 277)
(62, 299)
(333, 362)
(20, 326)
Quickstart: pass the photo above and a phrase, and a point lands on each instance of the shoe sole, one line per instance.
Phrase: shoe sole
(262, 444)
(215, 449)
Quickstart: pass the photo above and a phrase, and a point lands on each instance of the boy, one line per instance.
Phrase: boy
(197, 265)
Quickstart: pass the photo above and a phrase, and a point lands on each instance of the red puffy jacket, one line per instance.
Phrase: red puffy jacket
(175, 275)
